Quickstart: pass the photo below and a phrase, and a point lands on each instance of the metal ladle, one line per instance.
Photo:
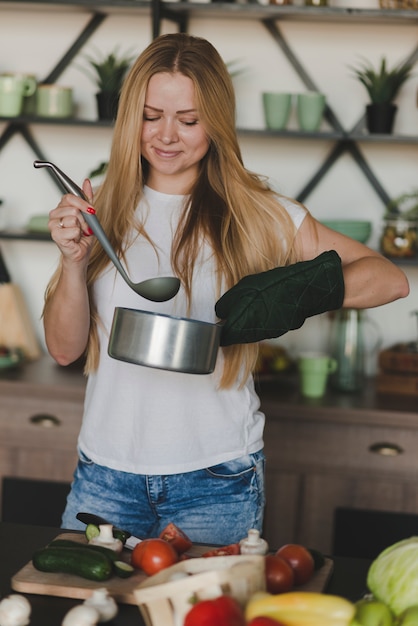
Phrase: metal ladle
(157, 289)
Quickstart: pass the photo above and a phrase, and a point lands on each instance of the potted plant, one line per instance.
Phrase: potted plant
(382, 85)
(108, 73)
(400, 231)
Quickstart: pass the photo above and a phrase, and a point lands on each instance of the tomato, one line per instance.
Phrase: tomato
(300, 559)
(222, 611)
(178, 539)
(232, 548)
(279, 574)
(263, 620)
(153, 555)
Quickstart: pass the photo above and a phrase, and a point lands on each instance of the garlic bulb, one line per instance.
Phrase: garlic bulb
(15, 610)
(106, 538)
(81, 615)
(104, 604)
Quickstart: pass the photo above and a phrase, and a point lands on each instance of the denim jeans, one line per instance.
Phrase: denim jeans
(215, 505)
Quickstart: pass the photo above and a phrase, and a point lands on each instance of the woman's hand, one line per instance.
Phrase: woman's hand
(67, 312)
(68, 227)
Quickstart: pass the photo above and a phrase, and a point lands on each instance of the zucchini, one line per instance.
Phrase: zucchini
(80, 561)
(69, 543)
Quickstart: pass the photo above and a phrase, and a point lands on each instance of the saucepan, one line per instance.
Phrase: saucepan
(146, 338)
(164, 341)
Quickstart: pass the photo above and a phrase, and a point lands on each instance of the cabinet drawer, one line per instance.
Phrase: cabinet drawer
(306, 445)
(39, 422)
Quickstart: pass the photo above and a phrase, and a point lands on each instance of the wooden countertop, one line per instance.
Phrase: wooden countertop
(279, 394)
(44, 376)
(280, 397)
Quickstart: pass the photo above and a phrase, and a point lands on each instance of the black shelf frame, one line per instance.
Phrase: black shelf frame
(344, 141)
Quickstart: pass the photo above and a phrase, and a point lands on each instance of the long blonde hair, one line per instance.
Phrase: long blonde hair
(229, 206)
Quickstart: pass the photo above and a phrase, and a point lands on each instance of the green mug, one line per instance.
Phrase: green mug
(310, 108)
(54, 101)
(13, 89)
(314, 369)
(277, 106)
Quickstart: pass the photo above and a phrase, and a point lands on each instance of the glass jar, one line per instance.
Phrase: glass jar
(400, 238)
(316, 3)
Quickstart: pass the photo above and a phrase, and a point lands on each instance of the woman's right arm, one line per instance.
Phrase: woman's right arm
(67, 310)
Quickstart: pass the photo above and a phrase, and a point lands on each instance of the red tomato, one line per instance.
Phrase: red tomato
(178, 539)
(222, 611)
(233, 548)
(263, 620)
(300, 559)
(153, 555)
(279, 574)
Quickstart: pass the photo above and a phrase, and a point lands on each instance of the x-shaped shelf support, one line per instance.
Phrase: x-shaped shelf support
(19, 127)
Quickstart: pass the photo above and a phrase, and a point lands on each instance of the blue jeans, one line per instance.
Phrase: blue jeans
(216, 505)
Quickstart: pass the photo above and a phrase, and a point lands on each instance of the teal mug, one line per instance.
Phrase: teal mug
(14, 88)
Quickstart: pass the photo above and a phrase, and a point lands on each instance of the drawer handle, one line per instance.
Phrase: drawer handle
(45, 420)
(386, 449)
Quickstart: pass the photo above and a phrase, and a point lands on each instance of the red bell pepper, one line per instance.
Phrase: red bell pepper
(222, 611)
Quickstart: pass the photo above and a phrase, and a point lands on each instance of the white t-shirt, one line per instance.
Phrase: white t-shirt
(150, 421)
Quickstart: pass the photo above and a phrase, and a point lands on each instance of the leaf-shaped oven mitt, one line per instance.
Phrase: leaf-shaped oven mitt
(266, 305)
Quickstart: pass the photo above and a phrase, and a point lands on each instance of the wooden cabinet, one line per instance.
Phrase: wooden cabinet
(40, 415)
(343, 451)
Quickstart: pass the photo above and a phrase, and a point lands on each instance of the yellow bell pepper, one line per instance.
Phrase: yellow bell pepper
(302, 608)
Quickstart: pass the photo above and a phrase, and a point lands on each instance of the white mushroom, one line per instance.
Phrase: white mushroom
(81, 615)
(14, 611)
(104, 604)
(105, 538)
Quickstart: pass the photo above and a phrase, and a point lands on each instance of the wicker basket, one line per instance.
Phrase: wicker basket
(399, 4)
(165, 598)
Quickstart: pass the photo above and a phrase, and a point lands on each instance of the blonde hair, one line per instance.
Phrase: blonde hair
(229, 206)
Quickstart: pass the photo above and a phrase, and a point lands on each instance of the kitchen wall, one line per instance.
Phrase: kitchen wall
(32, 41)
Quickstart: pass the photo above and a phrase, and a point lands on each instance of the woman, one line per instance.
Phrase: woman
(158, 446)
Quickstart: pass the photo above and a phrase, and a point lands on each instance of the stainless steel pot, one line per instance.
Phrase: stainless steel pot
(163, 341)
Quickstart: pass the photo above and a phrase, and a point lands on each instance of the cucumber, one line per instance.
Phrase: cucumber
(69, 543)
(122, 569)
(80, 561)
(92, 531)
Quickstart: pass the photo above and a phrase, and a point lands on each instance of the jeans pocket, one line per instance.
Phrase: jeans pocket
(237, 468)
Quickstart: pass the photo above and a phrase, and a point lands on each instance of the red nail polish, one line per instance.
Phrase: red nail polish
(89, 230)
(90, 210)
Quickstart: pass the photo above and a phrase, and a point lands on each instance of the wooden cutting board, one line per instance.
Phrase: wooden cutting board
(16, 329)
(30, 580)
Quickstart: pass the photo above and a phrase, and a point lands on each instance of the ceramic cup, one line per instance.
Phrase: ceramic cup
(13, 89)
(54, 101)
(277, 107)
(310, 108)
(314, 369)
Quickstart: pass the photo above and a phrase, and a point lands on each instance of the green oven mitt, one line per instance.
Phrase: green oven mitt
(267, 305)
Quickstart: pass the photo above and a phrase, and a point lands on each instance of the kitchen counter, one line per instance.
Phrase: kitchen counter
(280, 395)
(344, 450)
(18, 542)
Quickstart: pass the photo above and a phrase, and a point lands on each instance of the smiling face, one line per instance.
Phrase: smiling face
(173, 139)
